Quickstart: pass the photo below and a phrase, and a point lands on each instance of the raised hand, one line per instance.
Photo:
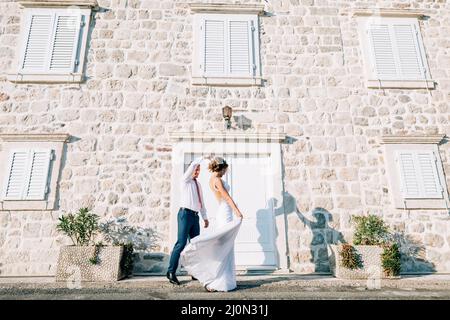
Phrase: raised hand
(208, 156)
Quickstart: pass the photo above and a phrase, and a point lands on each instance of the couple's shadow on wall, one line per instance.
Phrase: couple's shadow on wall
(321, 232)
(317, 228)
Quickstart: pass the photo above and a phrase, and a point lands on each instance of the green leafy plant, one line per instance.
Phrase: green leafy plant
(349, 257)
(370, 230)
(80, 227)
(94, 259)
(390, 259)
(83, 226)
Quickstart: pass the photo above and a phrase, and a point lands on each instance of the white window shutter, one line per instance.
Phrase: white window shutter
(28, 174)
(65, 43)
(16, 175)
(419, 175)
(36, 186)
(229, 42)
(36, 49)
(383, 55)
(214, 46)
(410, 65)
(431, 186)
(396, 50)
(409, 174)
(240, 47)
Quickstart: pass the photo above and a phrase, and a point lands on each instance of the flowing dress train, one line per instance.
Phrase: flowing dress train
(210, 257)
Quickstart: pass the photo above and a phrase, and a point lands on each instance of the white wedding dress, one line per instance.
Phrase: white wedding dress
(210, 257)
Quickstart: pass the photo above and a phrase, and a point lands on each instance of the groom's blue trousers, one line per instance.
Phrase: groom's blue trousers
(188, 228)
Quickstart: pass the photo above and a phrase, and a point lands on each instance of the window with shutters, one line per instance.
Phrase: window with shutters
(417, 179)
(27, 175)
(29, 171)
(419, 175)
(394, 53)
(53, 45)
(226, 49)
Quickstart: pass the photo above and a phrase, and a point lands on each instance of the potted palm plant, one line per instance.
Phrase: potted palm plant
(373, 254)
(90, 260)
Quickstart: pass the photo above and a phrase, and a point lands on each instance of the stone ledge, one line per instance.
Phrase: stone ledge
(58, 3)
(224, 136)
(401, 84)
(422, 204)
(227, 8)
(383, 12)
(419, 139)
(217, 81)
(42, 137)
(26, 205)
(45, 78)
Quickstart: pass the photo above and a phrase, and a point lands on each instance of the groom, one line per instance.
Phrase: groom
(188, 222)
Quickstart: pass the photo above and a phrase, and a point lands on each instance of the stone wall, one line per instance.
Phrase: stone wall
(138, 90)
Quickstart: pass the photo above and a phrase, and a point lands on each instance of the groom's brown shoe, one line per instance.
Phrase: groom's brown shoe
(172, 278)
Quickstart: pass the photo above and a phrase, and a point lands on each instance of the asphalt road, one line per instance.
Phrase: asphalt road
(249, 288)
(240, 294)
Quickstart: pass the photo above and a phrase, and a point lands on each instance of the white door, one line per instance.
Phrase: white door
(251, 189)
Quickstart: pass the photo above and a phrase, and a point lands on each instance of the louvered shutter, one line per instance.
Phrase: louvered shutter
(16, 175)
(418, 174)
(52, 41)
(28, 174)
(409, 59)
(240, 50)
(65, 43)
(396, 50)
(382, 51)
(429, 177)
(409, 174)
(37, 43)
(214, 46)
(228, 44)
(36, 185)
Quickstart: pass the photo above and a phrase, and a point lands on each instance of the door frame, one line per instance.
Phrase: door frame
(232, 143)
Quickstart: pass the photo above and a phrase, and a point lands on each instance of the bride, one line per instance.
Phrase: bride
(210, 257)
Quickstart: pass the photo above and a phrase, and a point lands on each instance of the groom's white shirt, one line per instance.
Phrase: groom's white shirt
(189, 197)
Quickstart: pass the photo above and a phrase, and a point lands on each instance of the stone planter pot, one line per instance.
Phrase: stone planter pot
(371, 263)
(73, 263)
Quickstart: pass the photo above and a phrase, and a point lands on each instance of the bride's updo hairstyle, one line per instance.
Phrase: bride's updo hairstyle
(217, 164)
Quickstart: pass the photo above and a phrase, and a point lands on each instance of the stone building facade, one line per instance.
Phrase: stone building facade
(117, 131)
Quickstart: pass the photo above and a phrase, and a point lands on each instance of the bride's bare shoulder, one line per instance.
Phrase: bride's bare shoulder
(215, 182)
